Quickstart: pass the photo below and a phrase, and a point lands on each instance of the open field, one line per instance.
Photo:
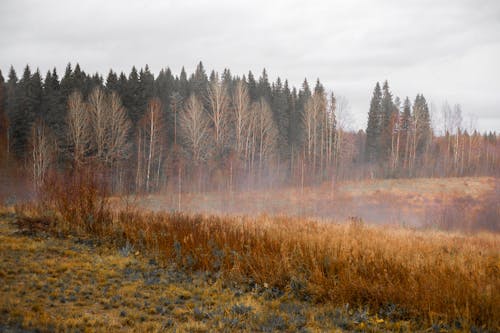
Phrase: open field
(79, 284)
(77, 260)
(403, 276)
(410, 202)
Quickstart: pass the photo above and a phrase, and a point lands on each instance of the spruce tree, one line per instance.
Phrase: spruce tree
(199, 81)
(28, 103)
(132, 99)
(252, 87)
(373, 128)
(112, 81)
(53, 110)
(3, 120)
(279, 108)
(422, 123)
(263, 87)
(387, 116)
(183, 85)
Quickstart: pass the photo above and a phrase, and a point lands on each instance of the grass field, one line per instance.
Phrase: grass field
(408, 202)
(125, 268)
(77, 284)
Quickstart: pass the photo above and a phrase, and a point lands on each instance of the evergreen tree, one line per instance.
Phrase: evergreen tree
(122, 84)
(373, 129)
(80, 81)
(11, 96)
(406, 116)
(252, 87)
(67, 84)
(53, 110)
(387, 116)
(183, 84)
(295, 122)
(263, 87)
(228, 81)
(281, 116)
(165, 87)
(199, 81)
(147, 89)
(112, 81)
(302, 98)
(132, 99)
(3, 120)
(422, 123)
(28, 109)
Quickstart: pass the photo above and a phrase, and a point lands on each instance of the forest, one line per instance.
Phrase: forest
(224, 132)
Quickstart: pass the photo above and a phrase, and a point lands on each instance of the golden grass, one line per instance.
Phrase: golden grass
(431, 276)
(411, 202)
(78, 293)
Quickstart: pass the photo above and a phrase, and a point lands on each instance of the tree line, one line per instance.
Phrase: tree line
(225, 132)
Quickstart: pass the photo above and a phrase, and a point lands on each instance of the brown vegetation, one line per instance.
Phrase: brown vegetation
(431, 275)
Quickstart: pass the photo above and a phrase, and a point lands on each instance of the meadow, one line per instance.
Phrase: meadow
(369, 277)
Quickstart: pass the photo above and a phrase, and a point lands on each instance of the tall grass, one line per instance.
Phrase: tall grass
(431, 275)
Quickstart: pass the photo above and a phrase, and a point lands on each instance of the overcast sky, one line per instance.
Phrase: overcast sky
(445, 49)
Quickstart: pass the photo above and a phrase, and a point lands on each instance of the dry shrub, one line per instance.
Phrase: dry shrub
(78, 202)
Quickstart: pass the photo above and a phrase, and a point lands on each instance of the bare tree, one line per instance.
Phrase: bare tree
(194, 127)
(117, 130)
(218, 101)
(241, 108)
(78, 128)
(110, 126)
(314, 122)
(42, 152)
(96, 104)
(151, 142)
(266, 132)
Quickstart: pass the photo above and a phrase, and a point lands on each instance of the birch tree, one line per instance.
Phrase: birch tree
(42, 152)
(218, 101)
(78, 128)
(194, 127)
(150, 147)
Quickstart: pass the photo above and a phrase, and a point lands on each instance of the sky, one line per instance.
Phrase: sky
(448, 50)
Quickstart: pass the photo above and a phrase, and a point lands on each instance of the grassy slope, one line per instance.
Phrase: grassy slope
(66, 284)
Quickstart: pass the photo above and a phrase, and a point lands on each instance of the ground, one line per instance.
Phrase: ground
(74, 284)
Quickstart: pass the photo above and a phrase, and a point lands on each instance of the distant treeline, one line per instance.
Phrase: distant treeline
(221, 131)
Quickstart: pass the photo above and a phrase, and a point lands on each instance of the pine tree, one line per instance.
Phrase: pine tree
(53, 111)
(303, 96)
(387, 116)
(11, 104)
(80, 81)
(67, 84)
(252, 87)
(279, 108)
(28, 103)
(199, 81)
(422, 123)
(183, 85)
(112, 81)
(373, 129)
(132, 98)
(263, 87)
(3, 120)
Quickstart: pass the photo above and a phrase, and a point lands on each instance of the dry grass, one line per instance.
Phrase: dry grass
(430, 275)
(74, 284)
(421, 202)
